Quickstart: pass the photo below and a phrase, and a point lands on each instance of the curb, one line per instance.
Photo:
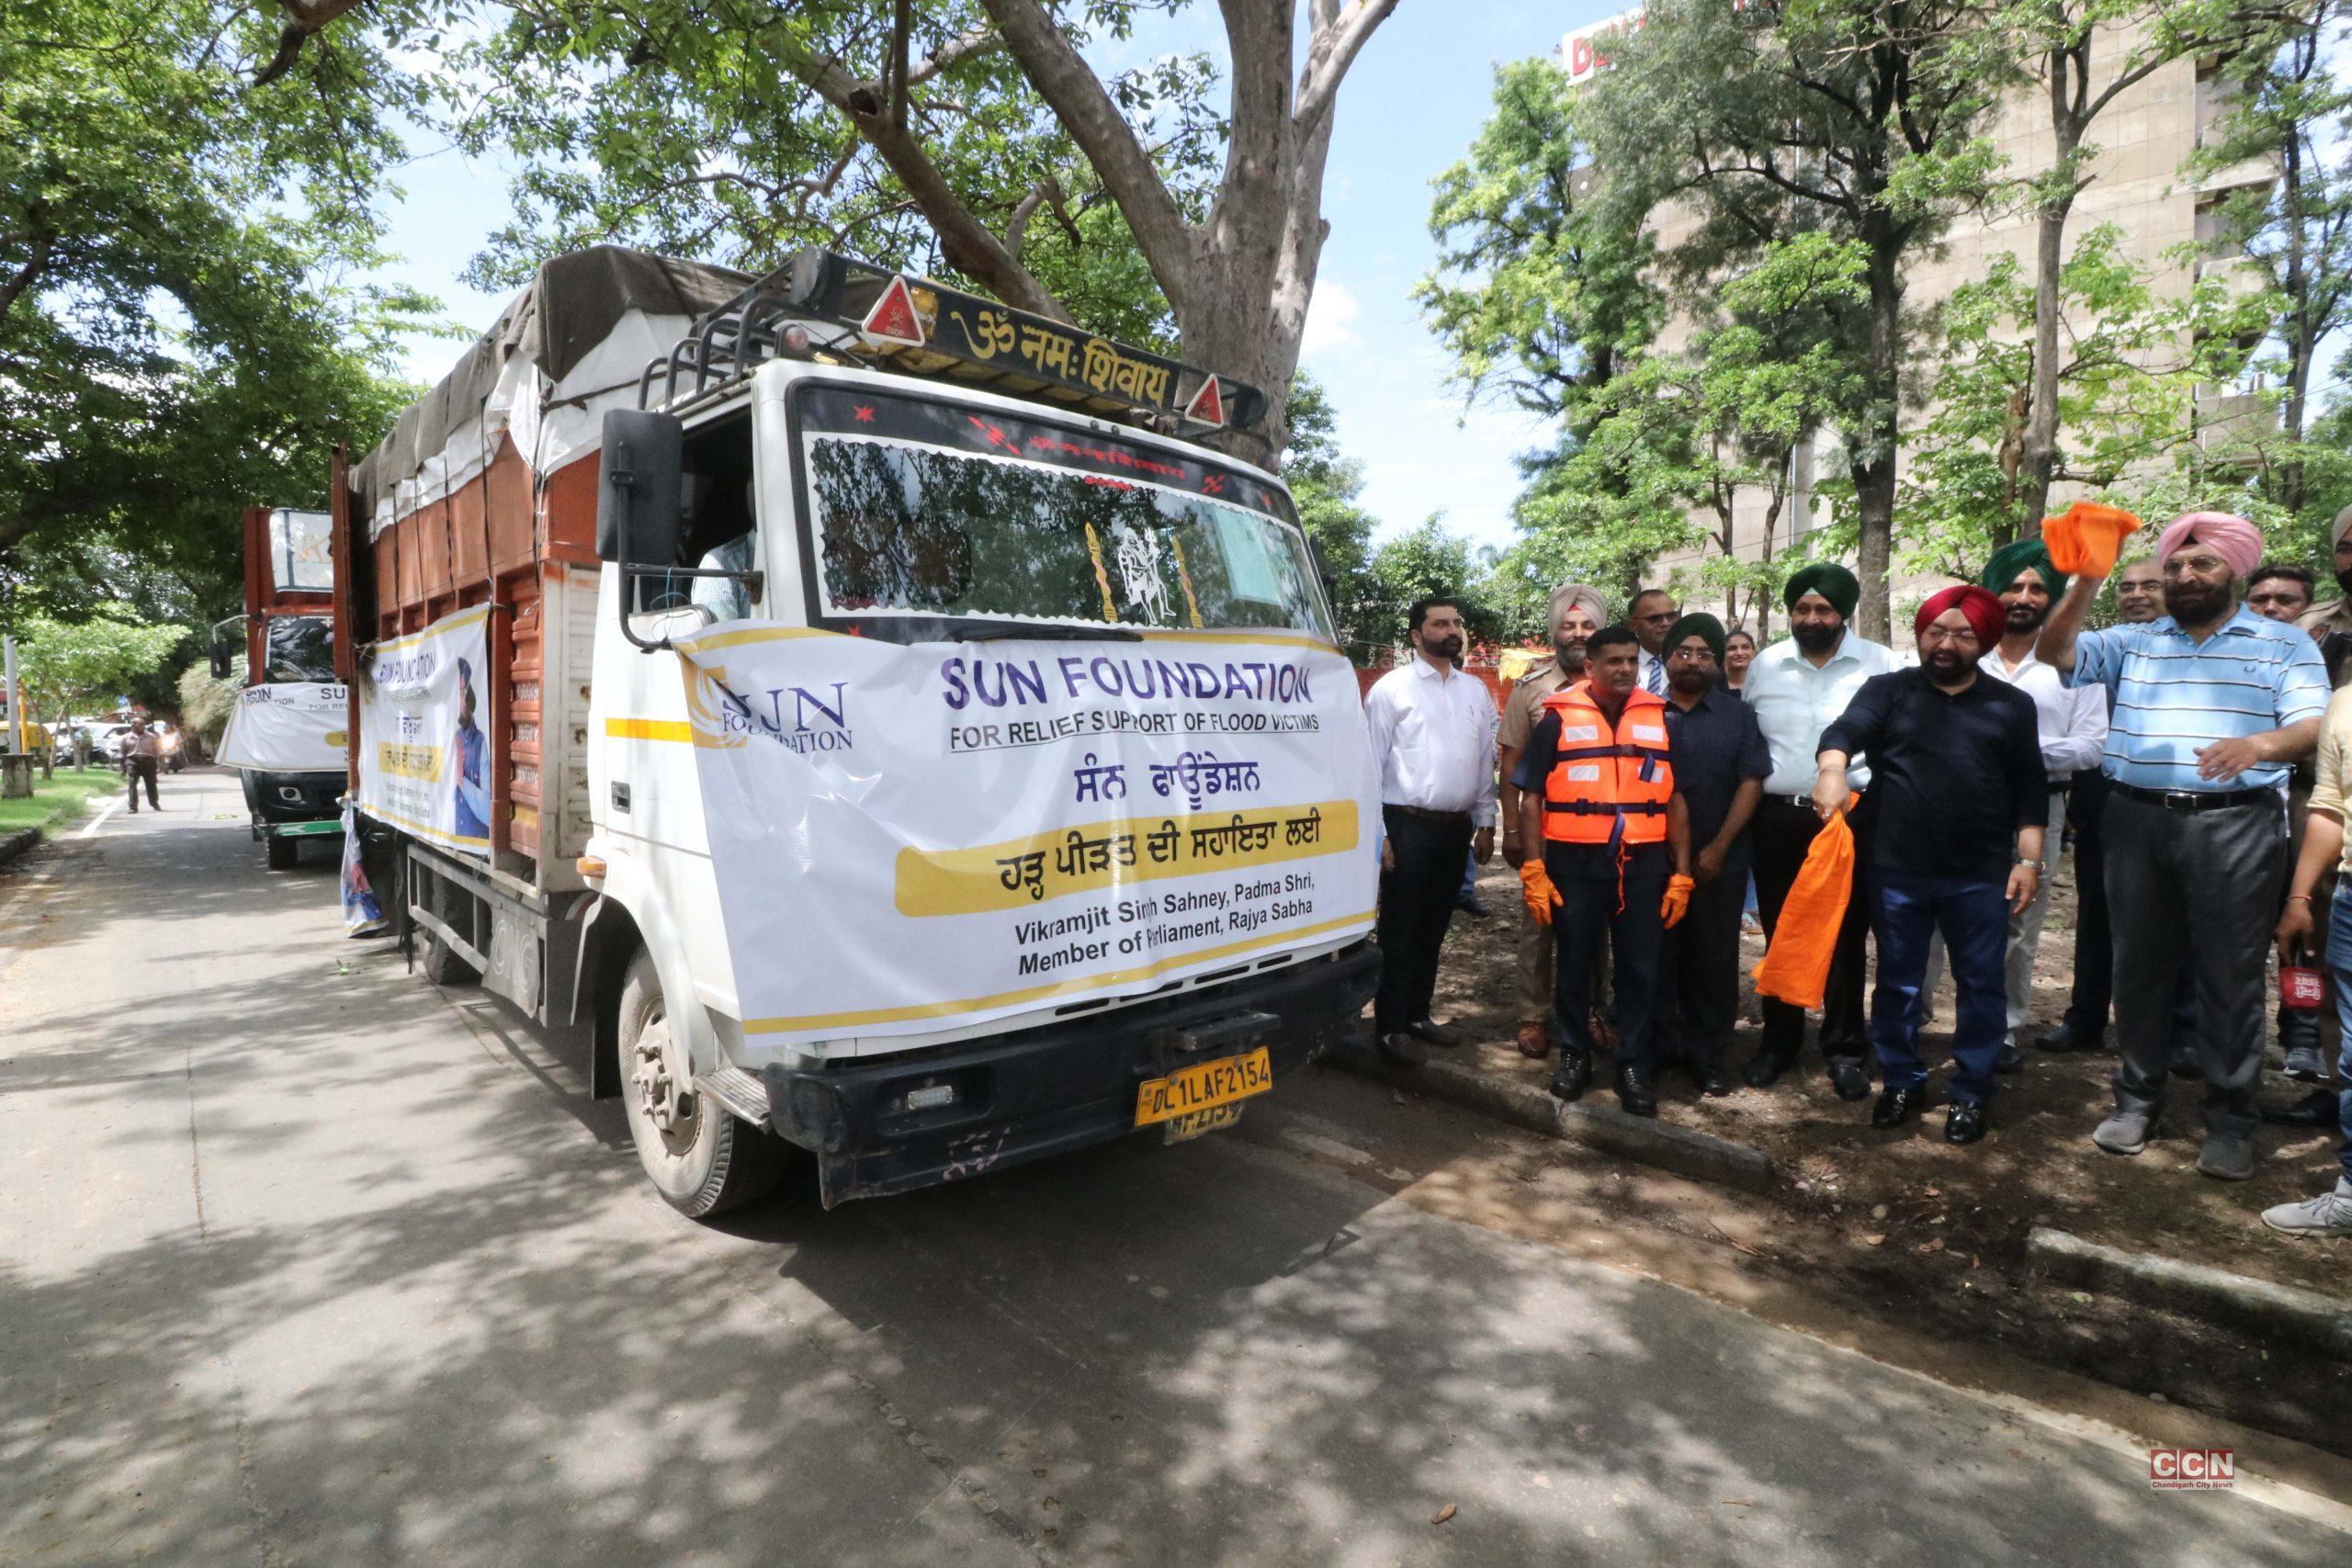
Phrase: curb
(2321, 1323)
(13, 847)
(1702, 1156)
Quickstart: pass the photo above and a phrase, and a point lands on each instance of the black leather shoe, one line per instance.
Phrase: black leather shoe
(1714, 1077)
(2065, 1038)
(2010, 1060)
(1399, 1046)
(1965, 1123)
(1896, 1106)
(1769, 1064)
(1573, 1075)
(1636, 1093)
(1436, 1034)
(1849, 1078)
(2318, 1108)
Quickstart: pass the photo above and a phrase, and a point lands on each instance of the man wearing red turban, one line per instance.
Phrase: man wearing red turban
(1961, 800)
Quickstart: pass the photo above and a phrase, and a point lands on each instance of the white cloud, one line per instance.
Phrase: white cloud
(1330, 318)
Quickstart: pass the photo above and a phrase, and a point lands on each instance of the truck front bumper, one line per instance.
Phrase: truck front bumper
(1034, 1092)
(278, 801)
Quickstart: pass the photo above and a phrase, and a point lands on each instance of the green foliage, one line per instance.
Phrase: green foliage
(205, 703)
(1428, 559)
(2136, 354)
(690, 129)
(173, 337)
(1539, 293)
(1324, 485)
(67, 666)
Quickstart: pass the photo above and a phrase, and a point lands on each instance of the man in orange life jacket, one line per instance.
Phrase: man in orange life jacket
(1599, 797)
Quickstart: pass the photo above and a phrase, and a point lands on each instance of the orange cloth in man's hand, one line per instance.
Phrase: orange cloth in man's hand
(1796, 967)
(2085, 539)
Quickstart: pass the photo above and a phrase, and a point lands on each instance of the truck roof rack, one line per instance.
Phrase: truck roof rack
(910, 323)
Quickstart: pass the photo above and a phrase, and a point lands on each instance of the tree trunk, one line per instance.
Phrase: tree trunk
(2303, 345)
(1872, 456)
(2038, 451)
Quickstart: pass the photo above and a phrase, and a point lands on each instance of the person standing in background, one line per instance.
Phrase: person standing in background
(2330, 624)
(1578, 611)
(2279, 591)
(1652, 613)
(1432, 732)
(2213, 704)
(142, 754)
(1739, 653)
(1796, 687)
(2070, 723)
(1720, 764)
(2139, 599)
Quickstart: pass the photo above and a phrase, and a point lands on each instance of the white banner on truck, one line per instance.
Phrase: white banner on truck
(294, 727)
(968, 830)
(423, 755)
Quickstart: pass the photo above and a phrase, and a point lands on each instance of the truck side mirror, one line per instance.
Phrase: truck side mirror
(640, 518)
(223, 653)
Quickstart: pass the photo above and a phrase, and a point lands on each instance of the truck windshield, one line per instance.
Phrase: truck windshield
(299, 647)
(299, 553)
(924, 509)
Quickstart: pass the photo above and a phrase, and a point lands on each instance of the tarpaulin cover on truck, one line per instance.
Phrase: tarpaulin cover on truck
(566, 348)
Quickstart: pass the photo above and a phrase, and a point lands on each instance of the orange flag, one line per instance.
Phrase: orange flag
(1796, 967)
(2087, 537)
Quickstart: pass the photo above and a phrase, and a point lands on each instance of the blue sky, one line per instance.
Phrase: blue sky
(1415, 96)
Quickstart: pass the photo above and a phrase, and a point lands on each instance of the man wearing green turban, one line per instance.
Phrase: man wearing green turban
(1796, 687)
(2023, 555)
(1833, 583)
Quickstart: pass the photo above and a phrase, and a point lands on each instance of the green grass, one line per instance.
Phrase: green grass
(58, 800)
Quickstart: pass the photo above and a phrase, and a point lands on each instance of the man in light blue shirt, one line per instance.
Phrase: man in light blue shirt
(2213, 705)
(1797, 687)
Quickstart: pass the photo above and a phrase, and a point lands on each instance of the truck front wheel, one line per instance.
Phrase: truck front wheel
(702, 1157)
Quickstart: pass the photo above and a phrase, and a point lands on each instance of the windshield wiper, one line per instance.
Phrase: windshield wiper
(1047, 633)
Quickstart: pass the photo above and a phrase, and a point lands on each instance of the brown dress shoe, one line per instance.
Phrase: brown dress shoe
(1532, 1043)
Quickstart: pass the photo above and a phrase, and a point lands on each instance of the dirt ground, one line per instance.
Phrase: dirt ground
(1926, 1197)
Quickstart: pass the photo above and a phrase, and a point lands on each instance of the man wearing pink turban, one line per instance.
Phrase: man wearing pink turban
(2213, 705)
(1956, 764)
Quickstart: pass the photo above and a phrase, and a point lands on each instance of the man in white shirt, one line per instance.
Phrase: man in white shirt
(1434, 735)
(2072, 722)
(1652, 615)
(1797, 687)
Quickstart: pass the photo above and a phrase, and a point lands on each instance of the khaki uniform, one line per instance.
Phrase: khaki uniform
(1522, 706)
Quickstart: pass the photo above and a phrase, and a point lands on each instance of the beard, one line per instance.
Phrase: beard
(1692, 683)
(1949, 667)
(1570, 654)
(2027, 617)
(2195, 604)
(1442, 647)
(1814, 638)
(2344, 581)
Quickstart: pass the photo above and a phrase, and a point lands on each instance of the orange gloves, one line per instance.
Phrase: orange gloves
(1541, 896)
(2085, 539)
(1677, 903)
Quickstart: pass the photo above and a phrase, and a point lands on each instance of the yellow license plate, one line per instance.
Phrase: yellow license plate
(1204, 1088)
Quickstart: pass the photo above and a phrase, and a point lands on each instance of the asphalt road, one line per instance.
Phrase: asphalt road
(302, 1261)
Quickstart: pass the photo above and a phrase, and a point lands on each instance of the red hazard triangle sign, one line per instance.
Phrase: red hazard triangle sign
(893, 318)
(1207, 406)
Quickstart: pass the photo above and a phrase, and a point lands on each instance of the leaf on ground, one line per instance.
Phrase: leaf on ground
(1875, 1240)
(1443, 1513)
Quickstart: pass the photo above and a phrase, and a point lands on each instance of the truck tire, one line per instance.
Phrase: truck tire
(701, 1157)
(284, 853)
(444, 967)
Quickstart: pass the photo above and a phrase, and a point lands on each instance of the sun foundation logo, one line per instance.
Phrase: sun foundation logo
(716, 719)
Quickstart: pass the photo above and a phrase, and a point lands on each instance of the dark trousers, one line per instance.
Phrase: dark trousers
(1416, 905)
(2195, 893)
(1784, 832)
(1974, 918)
(137, 768)
(1699, 1003)
(2093, 941)
(1586, 917)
